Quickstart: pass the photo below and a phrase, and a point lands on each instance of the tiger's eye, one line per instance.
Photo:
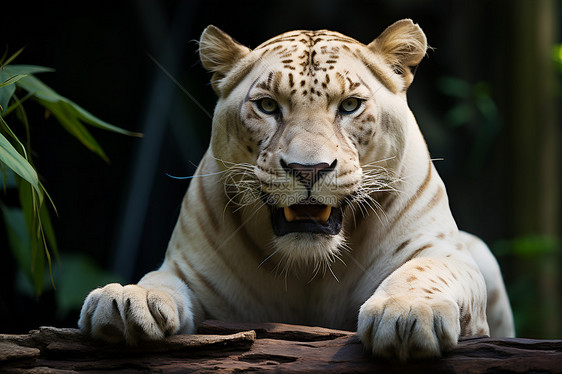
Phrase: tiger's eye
(349, 105)
(267, 105)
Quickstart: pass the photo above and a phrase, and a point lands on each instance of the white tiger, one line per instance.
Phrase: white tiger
(316, 203)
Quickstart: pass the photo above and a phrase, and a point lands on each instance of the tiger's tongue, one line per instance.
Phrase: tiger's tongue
(307, 212)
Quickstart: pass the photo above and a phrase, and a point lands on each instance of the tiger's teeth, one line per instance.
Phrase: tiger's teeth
(290, 214)
(316, 214)
(324, 214)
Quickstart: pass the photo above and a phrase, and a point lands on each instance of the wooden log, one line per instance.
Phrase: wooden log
(261, 347)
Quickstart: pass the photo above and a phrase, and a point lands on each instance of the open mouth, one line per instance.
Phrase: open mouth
(306, 217)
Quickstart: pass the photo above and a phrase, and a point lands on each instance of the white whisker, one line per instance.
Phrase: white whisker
(194, 176)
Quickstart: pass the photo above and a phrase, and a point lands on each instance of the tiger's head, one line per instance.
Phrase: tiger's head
(312, 125)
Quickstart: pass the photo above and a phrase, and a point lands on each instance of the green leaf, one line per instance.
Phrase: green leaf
(13, 79)
(47, 226)
(46, 94)
(26, 69)
(7, 177)
(16, 104)
(18, 238)
(6, 92)
(3, 57)
(30, 208)
(20, 245)
(90, 119)
(13, 160)
(39, 89)
(20, 71)
(69, 114)
(11, 58)
(74, 127)
(4, 126)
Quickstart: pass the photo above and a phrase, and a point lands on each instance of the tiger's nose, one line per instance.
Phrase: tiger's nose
(308, 174)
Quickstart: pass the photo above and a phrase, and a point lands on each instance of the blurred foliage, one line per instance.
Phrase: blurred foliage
(76, 276)
(557, 56)
(534, 260)
(527, 247)
(474, 109)
(531, 257)
(30, 233)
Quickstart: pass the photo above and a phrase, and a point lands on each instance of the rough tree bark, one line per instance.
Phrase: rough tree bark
(267, 347)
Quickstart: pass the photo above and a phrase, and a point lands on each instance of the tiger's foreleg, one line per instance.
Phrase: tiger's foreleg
(422, 308)
(159, 305)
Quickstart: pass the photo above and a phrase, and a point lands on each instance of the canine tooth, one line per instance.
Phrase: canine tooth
(324, 214)
(290, 214)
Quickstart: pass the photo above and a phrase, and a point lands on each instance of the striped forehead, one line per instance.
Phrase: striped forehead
(306, 52)
(307, 61)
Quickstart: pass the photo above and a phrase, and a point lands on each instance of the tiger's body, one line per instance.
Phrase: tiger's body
(317, 203)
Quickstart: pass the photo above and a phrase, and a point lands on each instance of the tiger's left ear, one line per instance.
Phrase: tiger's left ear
(403, 45)
(219, 53)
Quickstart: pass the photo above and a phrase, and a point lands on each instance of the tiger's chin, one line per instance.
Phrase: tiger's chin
(308, 253)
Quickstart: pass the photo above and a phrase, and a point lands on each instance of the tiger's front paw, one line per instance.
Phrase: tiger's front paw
(115, 313)
(408, 327)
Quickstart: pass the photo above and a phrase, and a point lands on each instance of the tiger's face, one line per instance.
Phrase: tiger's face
(311, 125)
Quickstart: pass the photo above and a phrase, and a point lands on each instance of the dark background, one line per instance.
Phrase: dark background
(120, 215)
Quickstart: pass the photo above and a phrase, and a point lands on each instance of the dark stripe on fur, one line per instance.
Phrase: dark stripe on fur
(254, 251)
(435, 199)
(416, 196)
(418, 251)
(198, 278)
(210, 217)
(401, 246)
(225, 263)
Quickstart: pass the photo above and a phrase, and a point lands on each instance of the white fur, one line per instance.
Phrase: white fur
(399, 271)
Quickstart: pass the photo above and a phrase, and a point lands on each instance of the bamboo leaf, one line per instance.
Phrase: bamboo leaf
(39, 89)
(3, 58)
(22, 116)
(48, 229)
(4, 126)
(45, 93)
(75, 128)
(6, 92)
(69, 114)
(16, 104)
(11, 58)
(18, 237)
(30, 207)
(16, 162)
(19, 243)
(26, 69)
(90, 119)
(13, 79)
(4, 176)
(7, 74)
(8, 179)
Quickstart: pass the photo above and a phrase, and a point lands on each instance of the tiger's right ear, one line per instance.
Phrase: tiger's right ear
(219, 53)
(403, 45)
